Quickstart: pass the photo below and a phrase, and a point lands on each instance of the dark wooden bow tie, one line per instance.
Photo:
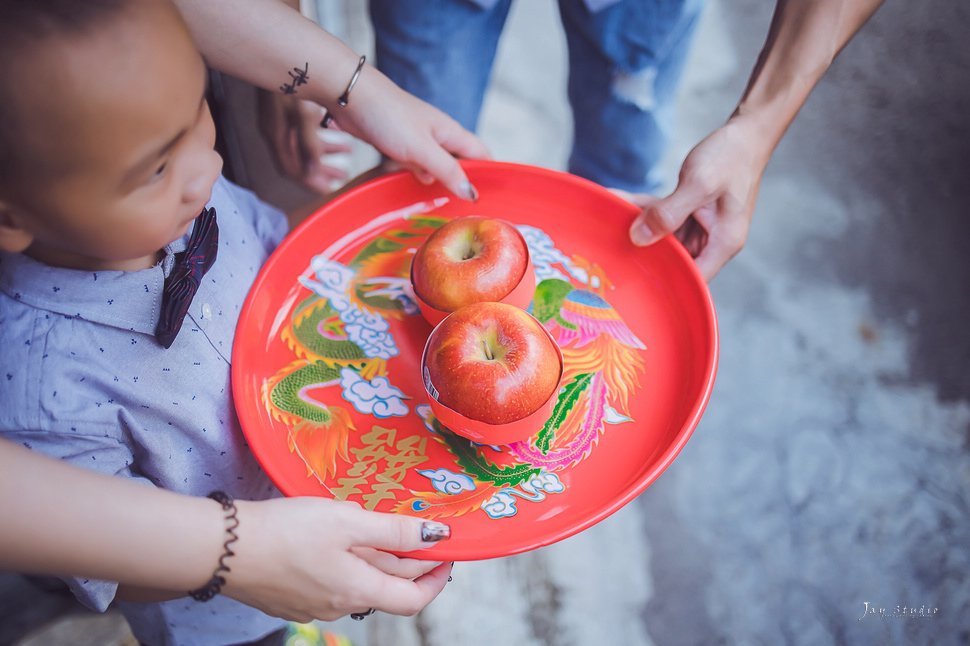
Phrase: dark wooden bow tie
(186, 276)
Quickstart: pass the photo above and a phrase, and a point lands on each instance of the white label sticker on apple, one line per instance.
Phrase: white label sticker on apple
(427, 384)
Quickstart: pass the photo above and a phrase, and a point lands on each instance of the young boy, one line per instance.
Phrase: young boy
(106, 161)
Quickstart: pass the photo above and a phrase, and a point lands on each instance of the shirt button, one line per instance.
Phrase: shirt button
(206, 311)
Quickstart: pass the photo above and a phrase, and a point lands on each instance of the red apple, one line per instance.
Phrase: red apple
(469, 260)
(492, 362)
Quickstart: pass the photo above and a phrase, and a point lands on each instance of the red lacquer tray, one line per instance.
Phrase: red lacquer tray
(326, 381)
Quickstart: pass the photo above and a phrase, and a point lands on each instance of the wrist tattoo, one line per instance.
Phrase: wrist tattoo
(298, 77)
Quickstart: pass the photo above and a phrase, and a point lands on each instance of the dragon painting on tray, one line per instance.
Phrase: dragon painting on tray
(343, 398)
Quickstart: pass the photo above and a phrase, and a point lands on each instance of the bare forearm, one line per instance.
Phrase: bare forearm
(268, 44)
(58, 519)
(804, 38)
(261, 41)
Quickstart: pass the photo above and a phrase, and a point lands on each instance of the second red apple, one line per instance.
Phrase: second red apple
(492, 362)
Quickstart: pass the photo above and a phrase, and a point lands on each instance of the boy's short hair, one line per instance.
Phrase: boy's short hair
(24, 25)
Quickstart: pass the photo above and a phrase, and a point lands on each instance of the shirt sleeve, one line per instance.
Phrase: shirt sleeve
(269, 222)
(91, 451)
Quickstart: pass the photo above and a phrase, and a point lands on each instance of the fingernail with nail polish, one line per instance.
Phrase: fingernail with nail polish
(471, 193)
(432, 532)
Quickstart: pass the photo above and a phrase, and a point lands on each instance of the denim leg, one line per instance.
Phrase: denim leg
(625, 63)
(439, 50)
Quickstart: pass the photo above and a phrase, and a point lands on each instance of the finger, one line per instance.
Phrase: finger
(643, 200)
(462, 143)
(711, 259)
(328, 147)
(322, 180)
(394, 565)
(692, 235)
(403, 597)
(666, 215)
(394, 532)
(331, 173)
(317, 175)
(724, 242)
(441, 166)
(423, 177)
(327, 168)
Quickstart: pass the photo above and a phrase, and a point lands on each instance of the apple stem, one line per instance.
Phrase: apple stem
(471, 248)
(488, 351)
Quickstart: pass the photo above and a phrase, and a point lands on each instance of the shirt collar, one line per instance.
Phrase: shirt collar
(129, 300)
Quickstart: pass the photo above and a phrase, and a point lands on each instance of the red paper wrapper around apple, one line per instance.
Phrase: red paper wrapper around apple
(492, 373)
(471, 259)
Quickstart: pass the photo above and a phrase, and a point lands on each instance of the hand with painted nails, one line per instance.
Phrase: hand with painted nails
(333, 559)
(297, 558)
(411, 132)
(291, 128)
(710, 210)
(284, 52)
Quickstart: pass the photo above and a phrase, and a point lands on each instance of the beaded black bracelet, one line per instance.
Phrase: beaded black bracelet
(344, 98)
(214, 586)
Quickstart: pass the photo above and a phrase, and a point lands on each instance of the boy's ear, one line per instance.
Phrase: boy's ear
(13, 237)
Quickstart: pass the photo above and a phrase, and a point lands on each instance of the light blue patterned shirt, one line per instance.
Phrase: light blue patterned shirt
(83, 379)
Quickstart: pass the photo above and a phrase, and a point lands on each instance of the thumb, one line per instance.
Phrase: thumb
(396, 532)
(665, 216)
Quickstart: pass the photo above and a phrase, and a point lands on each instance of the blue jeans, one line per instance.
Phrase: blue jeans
(625, 62)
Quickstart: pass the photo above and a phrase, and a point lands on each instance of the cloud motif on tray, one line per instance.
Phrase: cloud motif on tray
(448, 482)
(545, 254)
(398, 289)
(376, 397)
(370, 332)
(502, 504)
(332, 281)
(544, 482)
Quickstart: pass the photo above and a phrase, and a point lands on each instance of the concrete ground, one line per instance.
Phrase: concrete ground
(832, 468)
